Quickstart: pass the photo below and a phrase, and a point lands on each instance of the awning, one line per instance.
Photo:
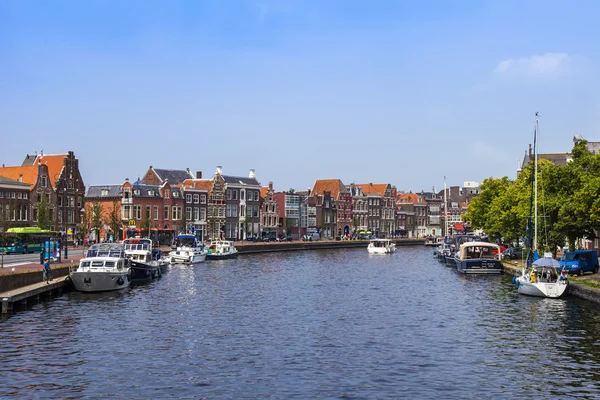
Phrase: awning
(459, 227)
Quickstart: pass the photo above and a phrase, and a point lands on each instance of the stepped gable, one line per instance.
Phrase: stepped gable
(334, 186)
(55, 163)
(97, 191)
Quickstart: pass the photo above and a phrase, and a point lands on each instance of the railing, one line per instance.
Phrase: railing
(126, 200)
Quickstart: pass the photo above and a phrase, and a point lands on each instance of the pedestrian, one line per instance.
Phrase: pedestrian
(46, 271)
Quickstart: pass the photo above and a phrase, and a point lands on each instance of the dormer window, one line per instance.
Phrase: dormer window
(175, 194)
(104, 192)
(136, 192)
(151, 192)
(167, 194)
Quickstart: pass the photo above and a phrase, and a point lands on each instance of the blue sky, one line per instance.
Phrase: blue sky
(404, 92)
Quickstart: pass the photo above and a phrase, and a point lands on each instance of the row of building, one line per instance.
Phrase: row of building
(166, 201)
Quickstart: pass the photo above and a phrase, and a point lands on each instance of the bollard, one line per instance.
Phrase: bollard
(42, 257)
(66, 252)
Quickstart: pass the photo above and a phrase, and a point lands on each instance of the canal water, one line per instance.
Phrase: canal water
(328, 324)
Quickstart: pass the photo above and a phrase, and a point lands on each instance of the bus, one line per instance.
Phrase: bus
(26, 240)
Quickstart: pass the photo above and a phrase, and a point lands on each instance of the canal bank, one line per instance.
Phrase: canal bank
(585, 287)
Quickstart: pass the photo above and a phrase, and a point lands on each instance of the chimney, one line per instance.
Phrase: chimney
(198, 174)
(271, 185)
(219, 170)
(20, 177)
(252, 174)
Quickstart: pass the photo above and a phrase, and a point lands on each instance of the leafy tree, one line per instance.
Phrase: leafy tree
(182, 223)
(146, 222)
(114, 219)
(96, 219)
(44, 212)
(84, 226)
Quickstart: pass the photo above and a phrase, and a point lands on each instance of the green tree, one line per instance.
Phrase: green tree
(44, 212)
(114, 220)
(182, 223)
(146, 222)
(83, 228)
(96, 219)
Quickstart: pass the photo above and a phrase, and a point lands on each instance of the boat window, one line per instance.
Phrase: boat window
(85, 263)
(110, 264)
(97, 263)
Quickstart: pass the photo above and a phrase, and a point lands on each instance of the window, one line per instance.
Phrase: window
(174, 213)
(20, 195)
(69, 217)
(59, 202)
(203, 213)
(136, 192)
(150, 192)
(196, 199)
(166, 213)
(60, 216)
(175, 194)
(44, 181)
(188, 213)
(167, 194)
(137, 212)
(249, 211)
(104, 192)
(70, 184)
(13, 195)
(147, 215)
(242, 194)
(234, 194)
(188, 198)
(229, 194)
(256, 196)
(126, 212)
(196, 214)
(203, 199)
(155, 212)
(234, 212)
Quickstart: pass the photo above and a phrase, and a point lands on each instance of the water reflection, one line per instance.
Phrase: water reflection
(315, 324)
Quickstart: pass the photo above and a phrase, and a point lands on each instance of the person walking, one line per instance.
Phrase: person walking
(46, 271)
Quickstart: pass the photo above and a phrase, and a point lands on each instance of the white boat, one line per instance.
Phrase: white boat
(221, 249)
(104, 268)
(381, 246)
(433, 241)
(478, 258)
(540, 278)
(186, 250)
(143, 266)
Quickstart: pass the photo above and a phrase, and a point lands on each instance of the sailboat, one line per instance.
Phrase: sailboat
(540, 277)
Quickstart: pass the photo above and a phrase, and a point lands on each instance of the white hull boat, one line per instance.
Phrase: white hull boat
(186, 250)
(221, 249)
(381, 246)
(104, 268)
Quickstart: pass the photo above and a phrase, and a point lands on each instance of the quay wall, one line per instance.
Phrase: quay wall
(17, 280)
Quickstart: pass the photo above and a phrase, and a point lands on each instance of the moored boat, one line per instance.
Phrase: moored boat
(381, 246)
(542, 279)
(221, 249)
(144, 267)
(104, 268)
(187, 250)
(478, 258)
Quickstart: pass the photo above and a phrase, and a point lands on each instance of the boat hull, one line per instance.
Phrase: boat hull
(187, 258)
(379, 250)
(221, 256)
(142, 272)
(99, 281)
(552, 290)
(483, 267)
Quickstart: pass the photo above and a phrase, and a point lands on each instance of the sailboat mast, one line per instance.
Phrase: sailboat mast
(445, 208)
(535, 190)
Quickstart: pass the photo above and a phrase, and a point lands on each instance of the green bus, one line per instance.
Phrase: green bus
(25, 240)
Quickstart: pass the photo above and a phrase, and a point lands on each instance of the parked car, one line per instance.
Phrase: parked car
(513, 253)
(579, 262)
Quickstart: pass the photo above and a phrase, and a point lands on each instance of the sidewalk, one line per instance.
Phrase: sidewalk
(73, 259)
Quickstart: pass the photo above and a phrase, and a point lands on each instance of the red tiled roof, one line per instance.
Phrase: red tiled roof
(409, 198)
(55, 163)
(263, 191)
(373, 188)
(26, 174)
(205, 184)
(334, 186)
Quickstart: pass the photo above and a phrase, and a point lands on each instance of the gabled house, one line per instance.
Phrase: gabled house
(57, 178)
(269, 213)
(196, 192)
(415, 204)
(360, 222)
(381, 208)
(241, 194)
(342, 200)
(156, 176)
